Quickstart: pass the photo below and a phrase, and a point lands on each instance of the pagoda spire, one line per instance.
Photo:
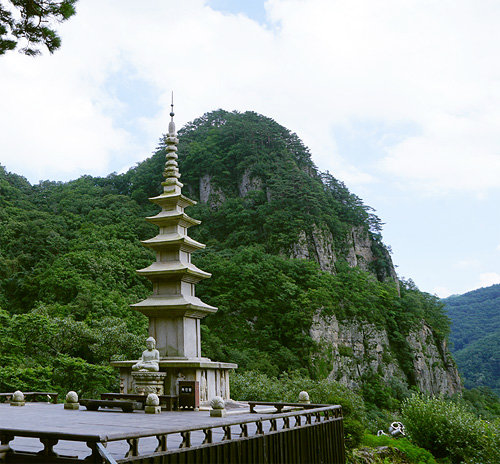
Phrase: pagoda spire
(173, 307)
(171, 173)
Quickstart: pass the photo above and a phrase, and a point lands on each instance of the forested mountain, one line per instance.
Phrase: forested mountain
(475, 335)
(301, 276)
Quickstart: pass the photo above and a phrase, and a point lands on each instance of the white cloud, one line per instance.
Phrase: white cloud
(468, 264)
(442, 292)
(498, 247)
(316, 66)
(488, 278)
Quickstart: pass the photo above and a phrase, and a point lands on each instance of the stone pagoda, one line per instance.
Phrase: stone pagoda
(173, 310)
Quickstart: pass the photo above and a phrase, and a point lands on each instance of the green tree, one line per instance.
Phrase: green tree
(32, 22)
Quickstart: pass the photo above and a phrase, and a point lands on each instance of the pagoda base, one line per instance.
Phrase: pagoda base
(213, 377)
(149, 382)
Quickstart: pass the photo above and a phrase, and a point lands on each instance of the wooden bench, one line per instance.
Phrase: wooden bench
(51, 396)
(167, 402)
(94, 405)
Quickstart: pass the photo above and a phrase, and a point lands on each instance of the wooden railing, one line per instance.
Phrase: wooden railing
(308, 436)
(33, 396)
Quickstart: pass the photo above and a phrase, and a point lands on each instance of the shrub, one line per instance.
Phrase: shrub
(412, 452)
(449, 430)
(36, 378)
(88, 380)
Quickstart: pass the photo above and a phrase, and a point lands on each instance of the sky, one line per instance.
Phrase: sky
(398, 99)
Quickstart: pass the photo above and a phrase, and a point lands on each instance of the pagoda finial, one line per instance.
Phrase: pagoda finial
(171, 172)
(171, 125)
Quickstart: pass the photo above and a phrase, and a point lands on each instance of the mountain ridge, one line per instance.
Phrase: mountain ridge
(286, 245)
(475, 335)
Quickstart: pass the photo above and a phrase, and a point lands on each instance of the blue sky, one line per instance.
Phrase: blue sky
(400, 100)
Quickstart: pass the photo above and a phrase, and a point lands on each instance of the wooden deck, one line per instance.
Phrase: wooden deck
(43, 417)
(126, 435)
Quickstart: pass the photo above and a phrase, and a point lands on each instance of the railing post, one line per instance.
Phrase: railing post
(95, 456)
(260, 428)
(208, 436)
(5, 438)
(186, 440)
(244, 430)
(133, 450)
(273, 425)
(48, 447)
(227, 432)
(162, 443)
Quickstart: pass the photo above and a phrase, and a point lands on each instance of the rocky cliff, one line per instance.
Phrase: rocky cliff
(258, 186)
(356, 246)
(353, 350)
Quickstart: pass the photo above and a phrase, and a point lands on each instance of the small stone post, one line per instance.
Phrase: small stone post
(304, 398)
(152, 404)
(17, 399)
(71, 401)
(218, 407)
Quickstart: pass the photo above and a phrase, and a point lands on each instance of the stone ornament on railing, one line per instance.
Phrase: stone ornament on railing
(218, 407)
(304, 397)
(17, 399)
(71, 401)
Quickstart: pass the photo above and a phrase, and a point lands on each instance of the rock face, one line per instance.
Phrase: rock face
(360, 249)
(317, 243)
(209, 193)
(319, 246)
(360, 253)
(322, 240)
(349, 350)
(435, 370)
(249, 183)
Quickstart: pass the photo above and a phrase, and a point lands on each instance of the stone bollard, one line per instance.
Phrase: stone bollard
(71, 401)
(218, 407)
(304, 398)
(17, 399)
(152, 404)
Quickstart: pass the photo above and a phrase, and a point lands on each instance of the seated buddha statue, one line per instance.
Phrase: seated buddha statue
(150, 358)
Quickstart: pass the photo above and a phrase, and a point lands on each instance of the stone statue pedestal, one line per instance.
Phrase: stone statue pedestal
(146, 382)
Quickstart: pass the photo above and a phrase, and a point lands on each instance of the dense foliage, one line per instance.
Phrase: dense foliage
(69, 251)
(32, 21)
(449, 430)
(475, 335)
